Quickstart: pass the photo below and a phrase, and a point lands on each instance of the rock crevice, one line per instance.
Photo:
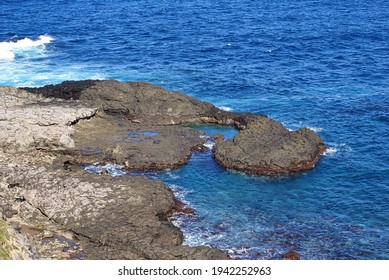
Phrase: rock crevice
(47, 132)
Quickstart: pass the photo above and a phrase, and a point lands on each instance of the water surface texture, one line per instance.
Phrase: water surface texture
(320, 64)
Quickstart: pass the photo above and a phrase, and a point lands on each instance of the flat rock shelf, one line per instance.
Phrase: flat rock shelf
(55, 210)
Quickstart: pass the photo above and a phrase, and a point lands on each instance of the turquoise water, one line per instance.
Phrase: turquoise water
(319, 64)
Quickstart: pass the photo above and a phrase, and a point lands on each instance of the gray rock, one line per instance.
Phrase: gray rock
(265, 147)
(133, 145)
(47, 132)
(31, 121)
(137, 101)
(112, 217)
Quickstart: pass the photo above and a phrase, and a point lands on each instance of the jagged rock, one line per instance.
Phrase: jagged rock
(265, 147)
(261, 147)
(218, 139)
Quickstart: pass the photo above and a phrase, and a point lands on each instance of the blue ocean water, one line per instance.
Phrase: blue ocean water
(320, 64)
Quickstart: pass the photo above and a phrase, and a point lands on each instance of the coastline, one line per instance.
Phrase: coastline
(51, 131)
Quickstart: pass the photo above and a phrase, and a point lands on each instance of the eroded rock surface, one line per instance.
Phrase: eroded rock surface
(265, 147)
(130, 127)
(31, 121)
(134, 145)
(103, 217)
(57, 211)
(137, 101)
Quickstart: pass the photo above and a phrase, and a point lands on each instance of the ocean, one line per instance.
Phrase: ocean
(317, 64)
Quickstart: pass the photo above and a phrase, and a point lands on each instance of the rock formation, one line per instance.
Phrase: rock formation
(55, 210)
(265, 147)
(95, 216)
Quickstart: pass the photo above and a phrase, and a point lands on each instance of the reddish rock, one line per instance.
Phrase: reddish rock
(291, 255)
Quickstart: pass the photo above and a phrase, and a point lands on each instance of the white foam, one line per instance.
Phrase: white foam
(209, 144)
(337, 149)
(316, 129)
(294, 126)
(225, 108)
(6, 54)
(9, 50)
(180, 193)
(172, 176)
(330, 151)
(113, 169)
(238, 251)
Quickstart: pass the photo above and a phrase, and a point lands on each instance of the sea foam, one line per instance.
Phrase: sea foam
(10, 49)
(225, 108)
(330, 151)
(113, 169)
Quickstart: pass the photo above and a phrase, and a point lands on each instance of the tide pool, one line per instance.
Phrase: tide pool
(322, 65)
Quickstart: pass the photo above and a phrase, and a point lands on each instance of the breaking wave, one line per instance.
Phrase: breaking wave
(26, 47)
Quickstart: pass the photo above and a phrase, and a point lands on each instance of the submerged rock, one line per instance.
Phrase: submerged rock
(265, 147)
(291, 255)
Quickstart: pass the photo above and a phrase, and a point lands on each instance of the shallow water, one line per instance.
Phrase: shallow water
(319, 64)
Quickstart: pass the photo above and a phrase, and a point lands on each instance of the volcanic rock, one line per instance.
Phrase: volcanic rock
(29, 121)
(265, 147)
(138, 147)
(137, 101)
(48, 133)
(111, 218)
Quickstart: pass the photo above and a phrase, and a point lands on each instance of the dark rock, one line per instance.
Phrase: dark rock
(201, 148)
(265, 147)
(136, 101)
(104, 172)
(291, 255)
(181, 208)
(262, 146)
(171, 147)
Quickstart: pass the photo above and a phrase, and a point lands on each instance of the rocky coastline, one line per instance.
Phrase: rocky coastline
(51, 209)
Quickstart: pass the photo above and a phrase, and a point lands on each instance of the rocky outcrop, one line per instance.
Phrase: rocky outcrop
(136, 146)
(136, 101)
(108, 218)
(143, 103)
(58, 211)
(265, 147)
(32, 121)
(262, 147)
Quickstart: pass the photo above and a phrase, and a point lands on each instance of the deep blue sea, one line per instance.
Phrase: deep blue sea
(318, 64)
